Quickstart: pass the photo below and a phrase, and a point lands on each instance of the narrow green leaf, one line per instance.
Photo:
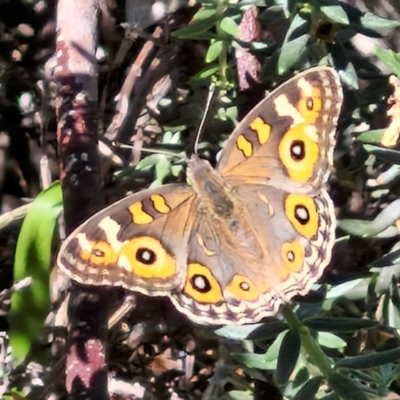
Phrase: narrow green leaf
(206, 35)
(388, 155)
(30, 305)
(257, 361)
(268, 330)
(273, 350)
(207, 72)
(390, 58)
(259, 45)
(343, 288)
(298, 23)
(176, 170)
(229, 26)
(310, 389)
(349, 76)
(389, 259)
(287, 359)
(373, 136)
(148, 162)
(237, 332)
(163, 168)
(376, 23)
(336, 13)
(331, 341)
(291, 53)
(214, 51)
(339, 324)
(196, 27)
(14, 395)
(204, 13)
(239, 395)
(345, 387)
(387, 217)
(302, 375)
(366, 361)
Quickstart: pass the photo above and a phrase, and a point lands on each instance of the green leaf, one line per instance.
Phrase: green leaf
(291, 53)
(331, 341)
(339, 324)
(293, 49)
(148, 162)
(214, 51)
(176, 170)
(163, 168)
(349, 76)
(237, 332)
(268, 330)
(310, 389)
(390, 58)
(229, 26)
(343, 288)
(389, 259)
(388, 155)
(204, 13)
(207, 72)
(336, 13)
(239, 395)
(30, 306)
(366, 361)
(373, 136)
(296, 25)
(257, 361)
(387, 217)
(207, 35)
(14, 395)
(196, 27)
(288, 354)
(301, 376)
(273, 350)
(258, 45)
(376, 23)
(345, 387)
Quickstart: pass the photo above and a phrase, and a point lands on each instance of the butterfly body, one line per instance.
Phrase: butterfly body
(240, 239)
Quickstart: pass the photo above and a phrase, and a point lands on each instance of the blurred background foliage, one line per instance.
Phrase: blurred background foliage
(342, 341)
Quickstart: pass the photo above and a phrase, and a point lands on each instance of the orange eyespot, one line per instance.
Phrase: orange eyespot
(147, 258)
(299, 152)
(302, 213)
(243, 288)
(292, 254)
(101, 254)
(201, 285)
(310, 106)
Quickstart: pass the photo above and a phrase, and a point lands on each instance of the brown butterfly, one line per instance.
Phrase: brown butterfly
(242, 238)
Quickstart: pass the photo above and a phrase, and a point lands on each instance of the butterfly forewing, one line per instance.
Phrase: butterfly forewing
(288, 138)
(139, 243)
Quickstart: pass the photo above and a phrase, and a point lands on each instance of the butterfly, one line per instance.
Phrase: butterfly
(240, 239)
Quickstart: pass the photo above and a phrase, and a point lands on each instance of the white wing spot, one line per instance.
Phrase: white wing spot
(285, 109)
(111, 229)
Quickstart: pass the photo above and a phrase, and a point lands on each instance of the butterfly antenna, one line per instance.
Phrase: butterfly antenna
(206, 114)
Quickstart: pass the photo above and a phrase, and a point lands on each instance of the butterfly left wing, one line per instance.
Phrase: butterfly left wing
(139, 242)
(288, 137)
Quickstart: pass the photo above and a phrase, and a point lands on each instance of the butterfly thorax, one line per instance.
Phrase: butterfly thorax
(221, 213)
(213, 193)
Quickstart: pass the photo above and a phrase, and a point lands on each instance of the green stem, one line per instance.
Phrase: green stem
(309, 344)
